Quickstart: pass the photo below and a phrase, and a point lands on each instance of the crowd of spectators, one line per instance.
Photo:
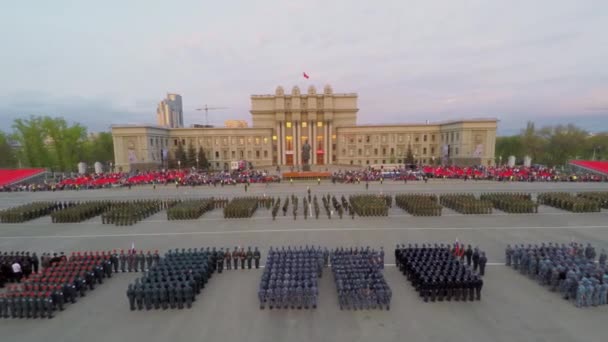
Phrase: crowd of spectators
(500, 173)
(160, 178)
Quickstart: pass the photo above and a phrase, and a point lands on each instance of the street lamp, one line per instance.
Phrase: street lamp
(499, 160)
(197, 163)
(179, 164)
(111, 170)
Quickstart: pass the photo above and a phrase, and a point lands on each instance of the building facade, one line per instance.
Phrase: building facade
(169, 112)
(327, 121)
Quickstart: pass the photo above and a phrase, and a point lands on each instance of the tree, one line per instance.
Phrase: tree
(532, 141)
(202, 159)
(180, 155)
(191, 156)
(99, 148)
(8, 159)
(30, 134)
(509, 146)
(409, 156)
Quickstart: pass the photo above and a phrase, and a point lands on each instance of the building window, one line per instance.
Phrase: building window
(319, 123)
(151, 142)
(416, 139)
(433, 137)
(367, 138)
(257, 154)
(289, 140)
(343, 151)
(384, 138)
(288, 124)
(233, 141)
(367, 162)
(375, 151)
(351, 153)
(457, 136)
(351, 162)
(248, 154)
(351, 140)
(233, 154)
(384, 151)
(257, 141)
(249, 140)
(383, 161)
(174, 142)
(359, 152)
(274, 137)
(400, 138)
(399, 161)
(392, 151)
(452, 136)
(242, 154)
(225, 154)
(304, 124)
(217, 154)
(265, 154)
(424, 138)
(432, 150)
(184, 142)
(266, 140)
(217, 141)
(456, 150)
(217, 164)
(225, 141)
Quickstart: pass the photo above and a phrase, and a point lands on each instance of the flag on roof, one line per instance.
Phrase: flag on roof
(305, 75)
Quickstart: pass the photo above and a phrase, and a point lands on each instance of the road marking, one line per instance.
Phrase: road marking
(295, 230)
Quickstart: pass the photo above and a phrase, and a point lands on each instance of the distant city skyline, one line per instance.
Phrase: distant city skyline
(543, 61)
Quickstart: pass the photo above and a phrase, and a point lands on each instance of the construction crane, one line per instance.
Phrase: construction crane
(207, 109)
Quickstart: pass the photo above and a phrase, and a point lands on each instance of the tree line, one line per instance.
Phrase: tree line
(552, 145)
(53, 143)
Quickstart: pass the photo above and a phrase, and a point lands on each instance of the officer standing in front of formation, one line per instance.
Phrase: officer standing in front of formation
(249, 256)
(257, 256)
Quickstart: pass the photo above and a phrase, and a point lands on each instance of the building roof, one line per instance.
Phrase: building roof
(439, 123)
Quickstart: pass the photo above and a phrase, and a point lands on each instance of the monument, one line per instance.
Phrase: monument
(306, 156)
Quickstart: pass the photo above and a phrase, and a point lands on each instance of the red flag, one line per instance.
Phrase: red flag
(305, 75)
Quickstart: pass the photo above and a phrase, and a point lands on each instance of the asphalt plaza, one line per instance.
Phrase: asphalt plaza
(512, 306)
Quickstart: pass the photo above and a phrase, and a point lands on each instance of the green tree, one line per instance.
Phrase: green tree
(30, 134)
(409, 156)
(202, 159)
(8, 158)
(191, 156)
(180, 155)
(99, 148)
(509, 146)
(533, 142)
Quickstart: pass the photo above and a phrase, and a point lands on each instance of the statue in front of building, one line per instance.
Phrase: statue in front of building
(306, 156)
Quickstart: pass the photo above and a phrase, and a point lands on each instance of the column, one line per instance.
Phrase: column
(313, 142)
(330, 143)
(282, 141)
(296, 144)
(278, 141)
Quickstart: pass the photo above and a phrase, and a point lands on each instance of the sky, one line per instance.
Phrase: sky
(111, 62)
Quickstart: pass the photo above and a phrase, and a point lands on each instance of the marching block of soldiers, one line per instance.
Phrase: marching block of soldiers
(466, 204)
(369, 205)
(515, 203)
(569, 202)
(190, 209)
(290, 278)
(241, 207)
(600, 197)
(174, 280)
(439, 272)
(570, 269)
(80, 212)
(31, 211)
(61, 281)
(359, 280)
(129, 213)
(419, 204)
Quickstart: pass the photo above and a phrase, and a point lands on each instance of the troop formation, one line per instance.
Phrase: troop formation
(371, 205)
(129, 213)
(439, 272)
(419, 204)
(570, 269)
(359, 280)
(290, 278)
(63, 281)
(173, 281)
(515, 203)
(241, 207)
(30, 211)
(466, 204)
(190, 209)
(569, 202)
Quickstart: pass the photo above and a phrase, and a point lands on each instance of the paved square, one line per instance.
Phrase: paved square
(512, 308)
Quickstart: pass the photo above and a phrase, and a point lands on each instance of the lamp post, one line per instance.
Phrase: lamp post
(111, 169)
(499, 160)
(179, 165)
(197, 163)
(433, 160)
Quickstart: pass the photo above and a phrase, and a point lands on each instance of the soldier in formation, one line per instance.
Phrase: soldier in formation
(570, 269)
(80, 212)
(370, 205)
(290, 278)
(62, 282)
(438, 272)
(174, 281)
(359, 280)
(129, 213)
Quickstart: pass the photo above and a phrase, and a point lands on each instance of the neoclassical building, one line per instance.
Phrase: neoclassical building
(284, 122)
